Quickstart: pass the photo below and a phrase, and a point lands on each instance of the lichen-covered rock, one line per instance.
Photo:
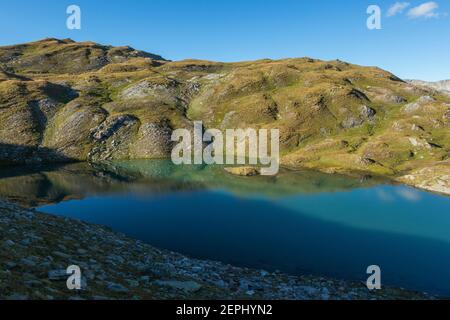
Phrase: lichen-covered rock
(416, 105)
(352, 122)
(367, 112)
(419, 143)
(153, 141)
(113, 138)
(110, 127)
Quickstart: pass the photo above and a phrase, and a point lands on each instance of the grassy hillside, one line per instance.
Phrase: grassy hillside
(61, 100)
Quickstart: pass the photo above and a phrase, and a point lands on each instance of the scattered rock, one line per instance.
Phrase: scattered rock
(419, 143)
(447, 115)
(57, 275)
(197, 269)
(110, 126)
(9, 243)
(61, 255)
(367, 112)
(384, 95)
(416, 105)
(116, 287)
(352, 122)
(189, 286)
(29, 261)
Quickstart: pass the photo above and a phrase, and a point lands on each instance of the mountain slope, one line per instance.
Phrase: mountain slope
(117, 103)
(64, 56)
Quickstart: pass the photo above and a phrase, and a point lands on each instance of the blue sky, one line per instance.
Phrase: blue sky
(235, 30)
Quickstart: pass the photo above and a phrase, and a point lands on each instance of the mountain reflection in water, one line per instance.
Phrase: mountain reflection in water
(37, 185)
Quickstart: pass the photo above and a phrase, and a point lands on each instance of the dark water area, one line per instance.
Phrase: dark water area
(300, 222)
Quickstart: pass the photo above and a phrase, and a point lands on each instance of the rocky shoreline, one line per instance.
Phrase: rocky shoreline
(36, 249)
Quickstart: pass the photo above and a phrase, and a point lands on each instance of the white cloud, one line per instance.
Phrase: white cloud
(425, 10)
(397, 8)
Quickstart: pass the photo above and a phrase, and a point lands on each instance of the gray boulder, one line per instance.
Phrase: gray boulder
(416, 105)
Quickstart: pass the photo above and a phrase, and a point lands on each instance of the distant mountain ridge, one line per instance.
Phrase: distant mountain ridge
(65, 56)
(443, 85)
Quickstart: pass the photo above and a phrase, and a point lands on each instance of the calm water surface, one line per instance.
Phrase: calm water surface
(299, 222)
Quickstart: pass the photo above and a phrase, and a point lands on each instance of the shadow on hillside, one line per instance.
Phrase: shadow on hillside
(14, 76)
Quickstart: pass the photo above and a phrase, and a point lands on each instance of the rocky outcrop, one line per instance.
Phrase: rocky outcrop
(113, 138)
(162, 89)
(111, 126)
(416, 105)
(366, 114)
(435, 179)
(153, 141)
(384, 95)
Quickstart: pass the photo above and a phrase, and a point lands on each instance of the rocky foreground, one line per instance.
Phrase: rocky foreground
(36, 249)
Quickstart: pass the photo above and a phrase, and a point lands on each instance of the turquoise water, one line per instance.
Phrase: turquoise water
(299, 223)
